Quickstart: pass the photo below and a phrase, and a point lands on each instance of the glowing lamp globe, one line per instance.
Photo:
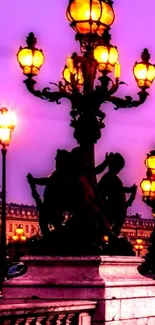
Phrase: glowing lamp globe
(144, 72)
(106, 56)
(7, 124)
(148, 188)
(90, 16)
(30, 58)
(139, 241)
(150, 161)
(19, 230)
(23, 237)
(15, 237)
(74, 75)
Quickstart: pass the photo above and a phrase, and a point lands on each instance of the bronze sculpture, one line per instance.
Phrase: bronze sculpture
(75, 211)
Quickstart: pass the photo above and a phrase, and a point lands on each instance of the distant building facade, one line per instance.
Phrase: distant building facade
(24, 215)
(27, 216)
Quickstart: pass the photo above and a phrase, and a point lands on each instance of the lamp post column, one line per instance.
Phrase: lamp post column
(3, 266)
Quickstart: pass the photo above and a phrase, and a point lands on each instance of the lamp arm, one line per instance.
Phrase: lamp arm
(128, 101)
(46, 94)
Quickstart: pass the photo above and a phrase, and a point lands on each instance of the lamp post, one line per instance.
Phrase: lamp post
(91, 21)
(139, 245)
(18, 238)
(7, 124)
(147, 268)
(19, 235)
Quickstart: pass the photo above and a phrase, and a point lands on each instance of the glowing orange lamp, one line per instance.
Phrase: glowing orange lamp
(106, 56)
(30, 58)
(90, 16)
(150, 162)
(144, 71)
(148, 188)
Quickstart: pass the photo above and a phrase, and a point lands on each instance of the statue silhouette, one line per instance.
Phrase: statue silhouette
(113, 192)
(70, 188)
(80, 212)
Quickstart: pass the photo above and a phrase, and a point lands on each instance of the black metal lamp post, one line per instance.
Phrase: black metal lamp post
(85, 79)
(7, 124)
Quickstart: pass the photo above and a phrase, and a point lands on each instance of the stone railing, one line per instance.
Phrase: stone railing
(46, 313)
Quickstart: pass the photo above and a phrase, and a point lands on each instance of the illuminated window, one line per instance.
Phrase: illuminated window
(12, 211)
(23, 212)
(28, 213)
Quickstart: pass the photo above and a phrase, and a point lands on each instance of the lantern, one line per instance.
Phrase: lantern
(30, 58)
(144, 72)
(148, 188)
(106, 56)
(7, 124)
(15, 237)
(23, 237)
(19, 230)
(139, 241)
(73, 74)
(90, 16)
(150, 161)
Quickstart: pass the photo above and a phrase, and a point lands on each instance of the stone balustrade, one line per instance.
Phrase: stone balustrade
(46, 313)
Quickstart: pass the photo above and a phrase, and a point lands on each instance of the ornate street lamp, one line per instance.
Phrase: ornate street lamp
(91, 19)
(139, 246)
(7, 125)
(19, 235)
(18, 238)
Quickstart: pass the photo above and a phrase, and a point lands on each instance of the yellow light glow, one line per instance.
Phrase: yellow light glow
(117, 72)
(23, 238)
(7, 124)
(144, 74)
(139, 241)
(108, 15)
(150, 162)
(148, 187)
(145, 185)
(19, 230)
(70, 64)
(78, 77)
(88, 17)
(15, 237)
(141, 247)
(30, 60)
(106, 238)
(106, 56)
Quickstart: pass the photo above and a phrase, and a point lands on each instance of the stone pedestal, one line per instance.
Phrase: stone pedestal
(123, 296)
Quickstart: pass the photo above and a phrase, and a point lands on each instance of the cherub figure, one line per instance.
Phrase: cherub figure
(112, 191)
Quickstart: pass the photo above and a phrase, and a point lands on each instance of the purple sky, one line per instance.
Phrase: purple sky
(43, 127)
